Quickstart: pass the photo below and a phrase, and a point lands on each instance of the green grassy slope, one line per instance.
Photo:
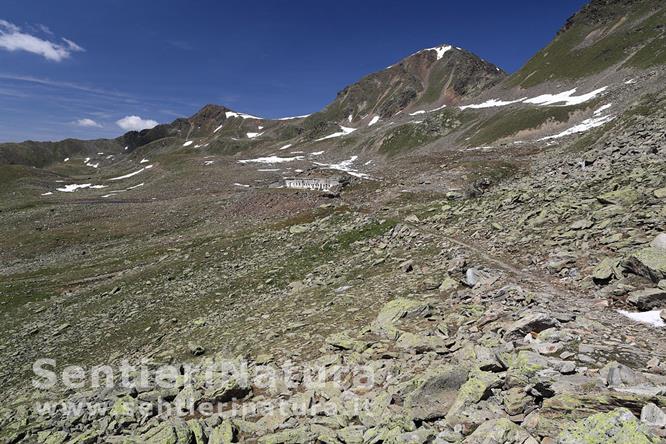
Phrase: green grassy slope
(602, 35)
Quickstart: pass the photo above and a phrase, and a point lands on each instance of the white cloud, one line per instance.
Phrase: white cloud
(88, 123)
(135, 123)
(12, 38)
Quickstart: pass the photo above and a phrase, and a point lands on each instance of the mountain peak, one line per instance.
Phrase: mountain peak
(438, 50)
(436, 76)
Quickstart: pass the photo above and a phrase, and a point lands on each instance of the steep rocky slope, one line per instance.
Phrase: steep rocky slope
(429, 78)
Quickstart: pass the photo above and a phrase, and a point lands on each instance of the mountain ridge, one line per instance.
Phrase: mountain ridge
(410, 82)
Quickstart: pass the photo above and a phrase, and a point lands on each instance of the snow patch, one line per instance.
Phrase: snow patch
(648, 317)
(241, 185)
(344, 131)
(253, 135)
(209, 162)
(585, 125)
(47, 193)
(295, 117)
(345, 165)
(144, 161)
(66, 159)
(114, 192)
(271, 159)
(373, 121)
(602, 109)
(230, 114)
(218, 128)
(417, 113)
(188, 143)
(566, 98)
(286, 146)
(78, 186)
(440, 50)
(132, 174)
(492, 103)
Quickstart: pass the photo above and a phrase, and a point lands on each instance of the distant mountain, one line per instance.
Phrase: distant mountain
(431, 77)
(602, 43)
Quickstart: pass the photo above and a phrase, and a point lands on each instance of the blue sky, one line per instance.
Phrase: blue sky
(74, 68)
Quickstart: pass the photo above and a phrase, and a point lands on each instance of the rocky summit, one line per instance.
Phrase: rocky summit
(445, 253)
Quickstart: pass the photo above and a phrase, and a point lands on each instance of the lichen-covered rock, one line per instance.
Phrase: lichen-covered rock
(435, 395)
(653, 416)
(87, 437)
(448, 284)
(476, 388)
(398, 309)
(125, 410)
(224, 389)
(659, 241)
(169, 432)
(647, 299)
(500, 431)
(343, 341)
(420, 343)
(198, 432)
(224, 433)
(52, 437)
(606, 270)
(351, 435)
(524, 368)
(531, 322)
(515, 400)
(293, 436)
(623, 196)
(648, 262)
(619, 426)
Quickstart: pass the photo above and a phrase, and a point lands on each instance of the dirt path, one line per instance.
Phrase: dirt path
(626, 339)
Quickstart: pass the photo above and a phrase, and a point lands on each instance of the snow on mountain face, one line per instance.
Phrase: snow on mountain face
(271, 159)
(73, 187)
(126, 176)
(294, 117)
(585, 125)
(566, 98)
(230, 114)
(343, 132)
(440, 50)
(492, 103)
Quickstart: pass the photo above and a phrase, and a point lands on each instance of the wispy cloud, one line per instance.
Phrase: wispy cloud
(67, 85)
(13, 38)
(135, 123)
(88, 123)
